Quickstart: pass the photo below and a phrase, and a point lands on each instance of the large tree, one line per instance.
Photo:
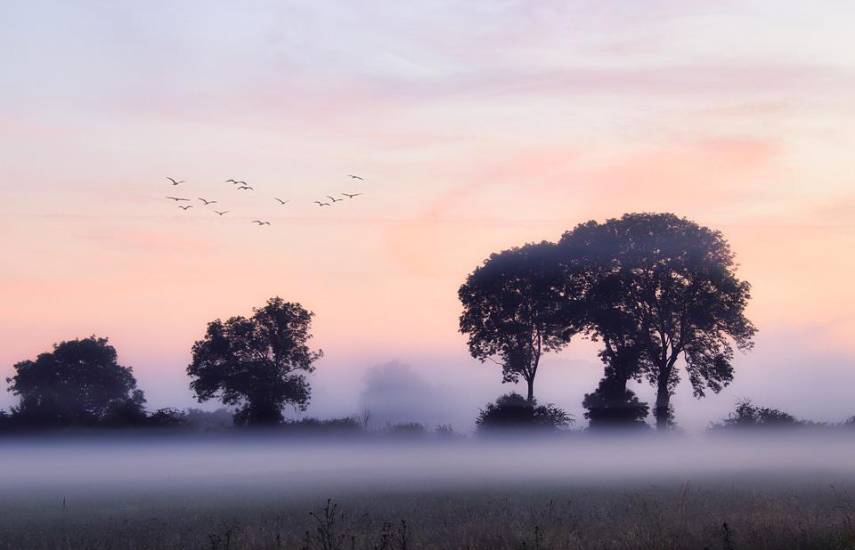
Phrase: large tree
(662, 288)
(257, 363)
(78, 383)
(515, 309)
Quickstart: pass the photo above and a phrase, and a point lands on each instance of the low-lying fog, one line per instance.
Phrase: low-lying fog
(268, 461)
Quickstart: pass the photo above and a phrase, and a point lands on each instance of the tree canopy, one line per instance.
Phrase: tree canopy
(79, 383)
(515, 309)
(662, 288)
(257, 363)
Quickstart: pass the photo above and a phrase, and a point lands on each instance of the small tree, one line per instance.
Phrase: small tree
(515, 310)
(79, 383)
(258, 363)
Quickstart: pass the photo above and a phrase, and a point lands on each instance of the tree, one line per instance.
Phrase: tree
(515, 308)
(258, 363)
(79, 383)
(514, 412)
(662, 287)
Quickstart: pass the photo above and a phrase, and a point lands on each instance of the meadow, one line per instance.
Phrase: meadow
(255, 493)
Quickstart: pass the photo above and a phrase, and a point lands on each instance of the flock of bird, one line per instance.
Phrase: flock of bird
(244, 186)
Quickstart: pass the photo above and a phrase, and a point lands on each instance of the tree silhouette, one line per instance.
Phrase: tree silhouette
(79, 383)
(257, 363)
(749, 415)
(612, 405)
(665, 288)
(514, 412)
(515, 309)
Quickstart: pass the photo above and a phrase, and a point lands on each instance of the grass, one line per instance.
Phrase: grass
(714, 513)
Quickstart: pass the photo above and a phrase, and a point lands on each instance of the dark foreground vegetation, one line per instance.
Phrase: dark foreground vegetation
(725, 516)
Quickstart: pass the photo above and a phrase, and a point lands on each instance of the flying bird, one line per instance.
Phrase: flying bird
(185, 207)
(174, 182)
(177, 199)
(232, 181)
(334, 199)
(351, 195)
(221, 213)
(245, 187)
(319, 203)
(260, 223)
(207, 202)
(351, 176)
(281, 201)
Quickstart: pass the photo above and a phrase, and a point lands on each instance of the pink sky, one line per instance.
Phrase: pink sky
(477, 125)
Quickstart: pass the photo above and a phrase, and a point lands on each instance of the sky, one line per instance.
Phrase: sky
(477, 125)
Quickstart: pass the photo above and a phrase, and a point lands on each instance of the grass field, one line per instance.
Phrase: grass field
(776, 508)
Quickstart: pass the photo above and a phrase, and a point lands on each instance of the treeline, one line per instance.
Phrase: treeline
(658, 293)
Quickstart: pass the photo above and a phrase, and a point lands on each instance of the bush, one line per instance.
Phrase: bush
(167, 418)
(514, 412)
(748, 415)
(612, 405)
(315, 425)
(406, 429)
(220, 419)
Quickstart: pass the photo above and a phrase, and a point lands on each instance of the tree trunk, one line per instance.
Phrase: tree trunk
(662, 412)
(530, 383)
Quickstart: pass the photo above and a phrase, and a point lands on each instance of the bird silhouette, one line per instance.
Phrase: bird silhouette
(260, 223)
(245, 187)
(188, 207)
(177, 199)
(351, 176)
(174, 182)
(232, 181)
(352, 195)
(334, 199)
(319, 203)
(207, 202)
(221, 213)
(281, 201)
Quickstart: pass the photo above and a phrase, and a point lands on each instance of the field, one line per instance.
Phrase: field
(220, 496)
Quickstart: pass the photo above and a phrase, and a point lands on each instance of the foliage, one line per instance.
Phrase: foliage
(167, 418)
(258, 363)
(515, 309)
(79, 383)
(612, 404)
(748, 415)
(514, 412)
(661, 287)
(311, 425)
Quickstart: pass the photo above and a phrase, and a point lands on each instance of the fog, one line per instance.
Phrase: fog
(324, 467)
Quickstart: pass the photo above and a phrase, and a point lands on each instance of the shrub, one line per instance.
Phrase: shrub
(514, 412)
(749, 415)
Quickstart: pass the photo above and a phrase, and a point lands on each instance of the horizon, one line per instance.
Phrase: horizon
(502, 125)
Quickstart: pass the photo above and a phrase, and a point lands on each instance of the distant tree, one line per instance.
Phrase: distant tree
(514, 412)
(515, 309)
(665, 288)
(748, 415)
(197, 419)
(258, 363)
(79, 383)
(167, 418)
